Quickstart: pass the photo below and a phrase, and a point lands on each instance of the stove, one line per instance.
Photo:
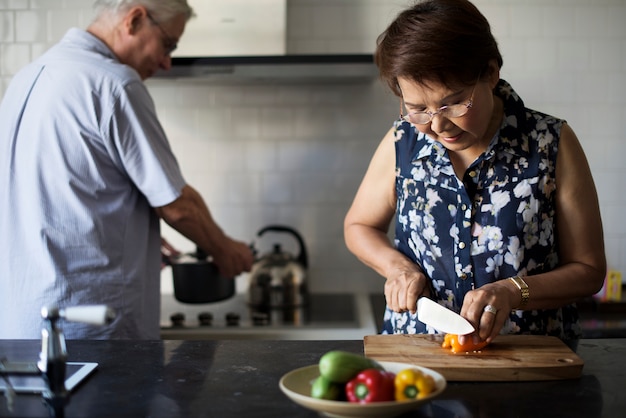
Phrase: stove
(326, 316)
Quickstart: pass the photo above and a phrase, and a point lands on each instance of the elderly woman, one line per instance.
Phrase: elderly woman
(495, 210)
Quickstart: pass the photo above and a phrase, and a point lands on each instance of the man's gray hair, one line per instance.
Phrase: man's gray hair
(162, 10)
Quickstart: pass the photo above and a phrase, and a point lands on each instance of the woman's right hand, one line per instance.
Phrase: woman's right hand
(404, 285)
(366, 228)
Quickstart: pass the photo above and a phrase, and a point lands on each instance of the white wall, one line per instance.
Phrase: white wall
(295, 154)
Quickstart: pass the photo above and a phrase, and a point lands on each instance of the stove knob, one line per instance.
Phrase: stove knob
(178, 319)
(260, 318)
(232, 319)
(205, 319)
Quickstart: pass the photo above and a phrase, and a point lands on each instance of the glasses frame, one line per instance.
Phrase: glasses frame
(169, 43)
(442, 110)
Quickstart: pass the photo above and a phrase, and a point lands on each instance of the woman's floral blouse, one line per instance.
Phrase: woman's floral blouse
(497, 221)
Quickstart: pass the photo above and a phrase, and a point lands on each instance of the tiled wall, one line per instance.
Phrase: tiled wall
(294, 154)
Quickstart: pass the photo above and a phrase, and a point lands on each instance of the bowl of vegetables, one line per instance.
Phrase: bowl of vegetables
(345, 384)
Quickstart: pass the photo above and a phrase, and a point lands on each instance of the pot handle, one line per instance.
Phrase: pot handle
(200, 254)
(171, 259)
(302, 256)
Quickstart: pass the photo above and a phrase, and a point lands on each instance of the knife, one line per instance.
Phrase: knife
(441, 318)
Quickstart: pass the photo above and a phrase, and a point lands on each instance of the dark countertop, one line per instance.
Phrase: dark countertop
(240, 378)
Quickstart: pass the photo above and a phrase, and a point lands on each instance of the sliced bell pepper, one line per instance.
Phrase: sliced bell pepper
(413, 384)
(451, 341)
(371, 385)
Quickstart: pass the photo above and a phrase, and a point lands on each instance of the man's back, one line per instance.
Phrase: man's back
(77, 141)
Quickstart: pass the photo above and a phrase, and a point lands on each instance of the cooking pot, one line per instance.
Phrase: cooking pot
(197, 279)
(278, 279)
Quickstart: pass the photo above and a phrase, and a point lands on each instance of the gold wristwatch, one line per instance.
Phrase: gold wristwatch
(523, 288)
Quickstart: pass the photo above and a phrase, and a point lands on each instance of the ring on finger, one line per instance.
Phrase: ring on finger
(490, 309)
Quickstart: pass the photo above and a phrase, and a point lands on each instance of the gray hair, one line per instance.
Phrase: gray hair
(162, 10)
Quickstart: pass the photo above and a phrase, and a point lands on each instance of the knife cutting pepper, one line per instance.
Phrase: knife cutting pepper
(413, 384)
(371, 385)
(451, 341)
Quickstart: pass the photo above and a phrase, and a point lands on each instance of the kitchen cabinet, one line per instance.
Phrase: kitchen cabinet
(234, 378)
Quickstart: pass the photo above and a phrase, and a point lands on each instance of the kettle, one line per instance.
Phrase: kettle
(278, 279)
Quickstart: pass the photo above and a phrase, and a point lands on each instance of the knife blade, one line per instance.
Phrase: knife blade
(441, 318)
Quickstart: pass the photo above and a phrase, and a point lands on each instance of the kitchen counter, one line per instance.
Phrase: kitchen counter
(236, 378)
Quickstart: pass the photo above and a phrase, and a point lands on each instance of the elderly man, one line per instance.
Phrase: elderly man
(87, 173)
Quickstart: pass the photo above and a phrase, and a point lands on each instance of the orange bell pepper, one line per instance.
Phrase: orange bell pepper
(451, 341)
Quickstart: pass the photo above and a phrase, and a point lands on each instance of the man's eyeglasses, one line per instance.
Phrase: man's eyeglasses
(169, 43)
(452, 111)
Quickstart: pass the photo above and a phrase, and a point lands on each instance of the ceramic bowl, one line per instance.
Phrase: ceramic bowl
(297, 386)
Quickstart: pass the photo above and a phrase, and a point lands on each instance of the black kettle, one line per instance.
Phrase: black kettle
(279, 279)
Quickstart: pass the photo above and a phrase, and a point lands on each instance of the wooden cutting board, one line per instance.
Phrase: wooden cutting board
(507, 358)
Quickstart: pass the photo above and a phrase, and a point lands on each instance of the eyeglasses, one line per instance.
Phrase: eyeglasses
(169, 44)
(452, 111)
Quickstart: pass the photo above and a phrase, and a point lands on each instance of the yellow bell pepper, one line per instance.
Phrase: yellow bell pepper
(413, 384)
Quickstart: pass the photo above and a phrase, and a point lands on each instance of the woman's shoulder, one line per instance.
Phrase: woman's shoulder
(410, 141)
(525, 128)
(514, 106)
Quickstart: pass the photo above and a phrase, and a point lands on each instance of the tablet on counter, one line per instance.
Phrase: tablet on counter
(75, 373)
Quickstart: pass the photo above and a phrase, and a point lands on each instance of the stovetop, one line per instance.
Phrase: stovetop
(322, 310)
(325, 317)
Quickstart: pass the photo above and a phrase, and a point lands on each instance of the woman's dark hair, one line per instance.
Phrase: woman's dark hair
(443, 41)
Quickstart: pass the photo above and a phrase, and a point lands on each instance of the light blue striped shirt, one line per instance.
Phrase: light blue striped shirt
(83, 160)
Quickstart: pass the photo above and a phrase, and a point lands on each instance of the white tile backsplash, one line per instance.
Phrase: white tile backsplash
(295, 154)
(573, 55)
(30, 26)
(7, 27)
(15, 4)
(539, 55)
(527, 20)
(14, 57)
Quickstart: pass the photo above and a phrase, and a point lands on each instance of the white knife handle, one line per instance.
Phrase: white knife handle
(89, 314)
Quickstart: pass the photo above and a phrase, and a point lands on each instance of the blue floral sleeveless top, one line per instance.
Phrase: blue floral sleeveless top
(496, 222)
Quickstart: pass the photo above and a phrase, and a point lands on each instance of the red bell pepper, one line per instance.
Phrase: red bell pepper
(371, 385)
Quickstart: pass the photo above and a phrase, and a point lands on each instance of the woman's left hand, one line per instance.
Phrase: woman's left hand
(488, 308)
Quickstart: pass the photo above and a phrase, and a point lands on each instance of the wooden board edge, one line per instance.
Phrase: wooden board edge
(502, 374)
(509, 374)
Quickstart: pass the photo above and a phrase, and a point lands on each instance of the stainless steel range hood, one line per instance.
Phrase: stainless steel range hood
(333, 68)
(239, 41)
